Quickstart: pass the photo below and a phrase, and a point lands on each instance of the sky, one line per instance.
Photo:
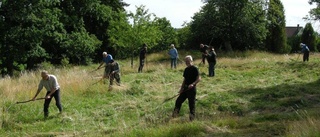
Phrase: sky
(180, 11)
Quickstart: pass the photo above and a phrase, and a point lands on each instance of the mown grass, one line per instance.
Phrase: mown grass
(252, 94)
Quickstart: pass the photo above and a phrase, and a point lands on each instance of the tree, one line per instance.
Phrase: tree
(309, 37)
(168, 33)
(230, 24)
(23, 26)
(315, 12)
(276, 38)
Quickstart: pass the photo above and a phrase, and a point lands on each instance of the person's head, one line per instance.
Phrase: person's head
(301, 44)
(188, 59)
(104, 54)
(44, 75)
(201, 45)
(172, 45)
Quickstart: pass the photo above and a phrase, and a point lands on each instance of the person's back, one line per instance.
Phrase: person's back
(211, 56)
(305, 50)
(173, 53)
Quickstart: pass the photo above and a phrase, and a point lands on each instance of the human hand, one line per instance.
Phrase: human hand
(47, 97)
(190, 86)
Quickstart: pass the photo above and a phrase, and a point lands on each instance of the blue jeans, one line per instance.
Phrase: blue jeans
(174, 62)
(211, 68)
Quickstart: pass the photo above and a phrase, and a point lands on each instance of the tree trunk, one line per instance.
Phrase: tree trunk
(227, 44)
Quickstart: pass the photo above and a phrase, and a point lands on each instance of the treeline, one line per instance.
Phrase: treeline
(78, 31)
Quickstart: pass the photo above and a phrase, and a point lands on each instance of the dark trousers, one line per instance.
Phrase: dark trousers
(211, 69)
(141, 65)
(173, 62)
(56, 96)
(191, 96)
(115, 76)
(203, 59)
(306, 56)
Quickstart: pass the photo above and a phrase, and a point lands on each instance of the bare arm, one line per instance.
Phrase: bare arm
(195, 82)
(35, 96)
(100, 65)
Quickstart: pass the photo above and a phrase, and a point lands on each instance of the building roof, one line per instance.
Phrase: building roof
(293, 30)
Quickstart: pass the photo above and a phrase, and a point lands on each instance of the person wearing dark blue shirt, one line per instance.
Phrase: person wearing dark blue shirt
(106, 60)
(305, 50)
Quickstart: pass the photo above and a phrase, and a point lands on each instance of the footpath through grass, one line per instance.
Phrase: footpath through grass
(252, 94)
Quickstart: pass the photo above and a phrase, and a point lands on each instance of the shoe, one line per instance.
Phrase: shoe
(175, 113)
(191, 117)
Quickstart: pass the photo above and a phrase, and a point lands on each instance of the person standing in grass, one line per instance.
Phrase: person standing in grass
(188, 88)
(106, 58)
(203, 50)
(305, 50)
(142, 56)
(211, 58)
(115, 73)
(173, 56)
(51, 84)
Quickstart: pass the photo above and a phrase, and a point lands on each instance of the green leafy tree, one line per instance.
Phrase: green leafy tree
(276, 38)
(229, 24)
(23, 26)
(315, 12)
(168, 33)
(184, 36)
(309, 37)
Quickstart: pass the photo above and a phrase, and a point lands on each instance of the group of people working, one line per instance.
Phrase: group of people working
(191, 77)
(112, 71)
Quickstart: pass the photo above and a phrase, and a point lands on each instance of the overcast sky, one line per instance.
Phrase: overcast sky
(179, 11)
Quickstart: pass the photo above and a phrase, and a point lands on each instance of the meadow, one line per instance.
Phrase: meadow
(253, 94)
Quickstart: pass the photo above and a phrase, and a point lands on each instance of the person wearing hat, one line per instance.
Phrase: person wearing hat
(305, 50)
(173, 56)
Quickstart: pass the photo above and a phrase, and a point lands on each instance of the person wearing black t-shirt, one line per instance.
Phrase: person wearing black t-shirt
(188, 88)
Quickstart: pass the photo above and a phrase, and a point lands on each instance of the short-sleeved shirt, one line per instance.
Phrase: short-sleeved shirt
(190, 74)
(48, 84)
(107, 59)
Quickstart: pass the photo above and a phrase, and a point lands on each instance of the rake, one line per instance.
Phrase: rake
(29, 100)
(168, 99)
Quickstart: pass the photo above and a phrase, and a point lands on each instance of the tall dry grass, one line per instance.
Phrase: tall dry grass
(227, 104)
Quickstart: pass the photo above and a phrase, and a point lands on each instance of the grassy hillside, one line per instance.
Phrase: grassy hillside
(252, 94)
